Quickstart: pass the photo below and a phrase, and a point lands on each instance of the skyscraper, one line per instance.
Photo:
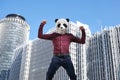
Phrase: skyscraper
(103, 55)
(78, 51)
(20, 67)
(14, 31)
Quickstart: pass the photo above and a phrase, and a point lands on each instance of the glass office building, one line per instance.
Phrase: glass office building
(14, 31)
(104, 55)
(21, 62)
(78, 51)
(16, 65)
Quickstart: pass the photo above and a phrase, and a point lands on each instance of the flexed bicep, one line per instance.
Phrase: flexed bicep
(78, 39)
(40, 31)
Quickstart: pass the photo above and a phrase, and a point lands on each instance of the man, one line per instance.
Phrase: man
(61, 41)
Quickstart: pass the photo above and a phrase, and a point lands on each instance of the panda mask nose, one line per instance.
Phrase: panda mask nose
(62, 27)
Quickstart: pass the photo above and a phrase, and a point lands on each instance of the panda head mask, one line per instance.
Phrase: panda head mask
(62, 25)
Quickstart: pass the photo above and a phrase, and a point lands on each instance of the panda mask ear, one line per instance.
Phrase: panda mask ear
(67, 20)
(56, 20)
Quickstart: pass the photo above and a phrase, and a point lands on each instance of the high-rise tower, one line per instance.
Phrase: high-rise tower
(14, 31)
(103, 55)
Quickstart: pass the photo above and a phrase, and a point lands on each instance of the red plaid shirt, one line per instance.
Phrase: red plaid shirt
(61, 42)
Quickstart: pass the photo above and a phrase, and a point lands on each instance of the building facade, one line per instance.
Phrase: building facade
(14, 31)
(103, 55)
(16, 65)
(78, 51)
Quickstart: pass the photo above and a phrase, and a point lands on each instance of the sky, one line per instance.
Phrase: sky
(95, 13)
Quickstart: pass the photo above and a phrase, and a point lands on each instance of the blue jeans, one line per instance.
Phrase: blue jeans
(57, 62)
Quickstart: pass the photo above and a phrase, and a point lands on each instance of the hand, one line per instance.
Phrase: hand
(43, 22)
(82, 28)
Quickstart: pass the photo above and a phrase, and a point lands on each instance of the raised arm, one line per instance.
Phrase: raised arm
(40, 32)
(83, 38)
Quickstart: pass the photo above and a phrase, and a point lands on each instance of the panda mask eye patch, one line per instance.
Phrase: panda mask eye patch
(65, 25)
(58, 25)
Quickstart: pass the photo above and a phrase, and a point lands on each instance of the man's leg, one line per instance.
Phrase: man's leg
(54, 65)
(68, 65)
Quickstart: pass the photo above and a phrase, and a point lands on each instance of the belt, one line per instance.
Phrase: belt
(61, 55)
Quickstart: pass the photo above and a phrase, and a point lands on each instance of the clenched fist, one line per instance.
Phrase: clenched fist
(43, 22)
(82, 28)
